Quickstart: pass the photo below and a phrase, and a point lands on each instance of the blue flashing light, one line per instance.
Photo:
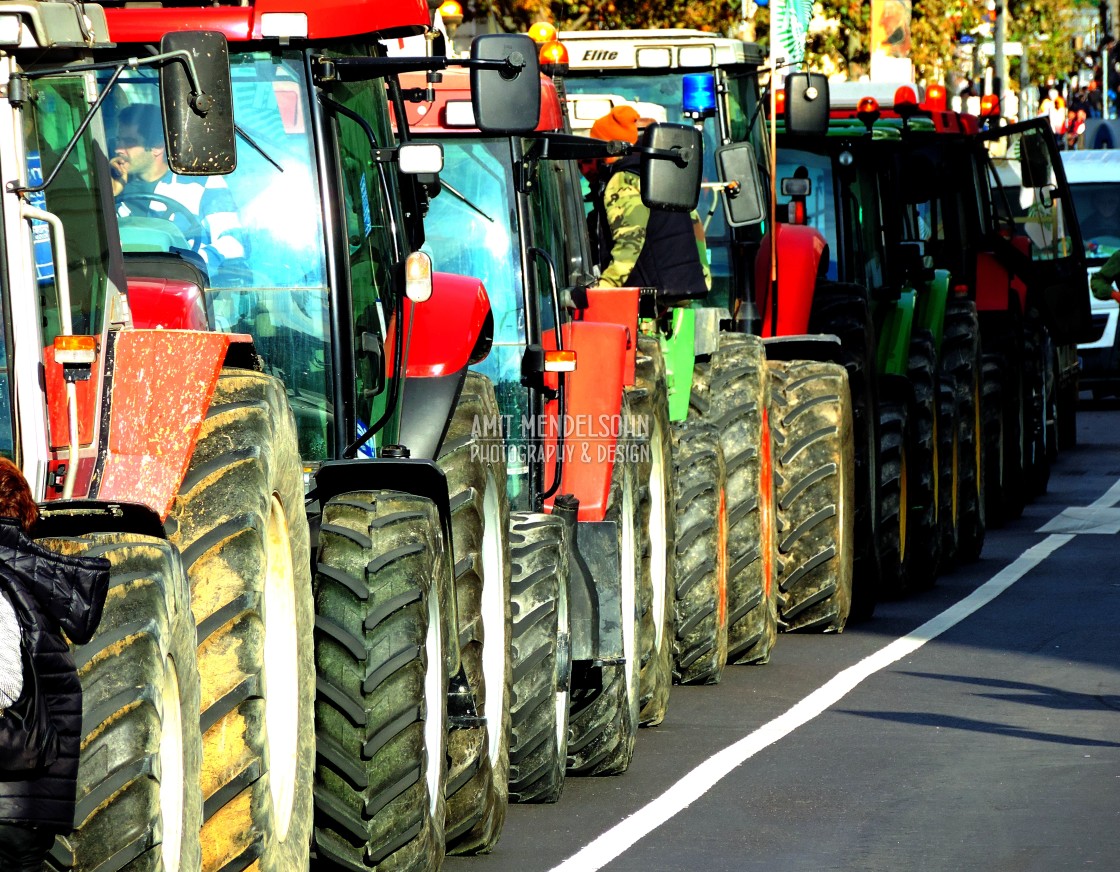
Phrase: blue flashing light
(699, 94)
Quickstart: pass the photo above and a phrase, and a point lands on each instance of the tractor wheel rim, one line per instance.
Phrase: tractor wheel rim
(658, 534)
(494, 649)
(435, 691)
(281, 662)
(172, 776)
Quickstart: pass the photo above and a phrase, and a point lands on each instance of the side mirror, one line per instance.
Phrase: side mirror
(743, 202)
(807, 104)
(505, 83)
(197, 101)
(1034, 161)
(671, 180)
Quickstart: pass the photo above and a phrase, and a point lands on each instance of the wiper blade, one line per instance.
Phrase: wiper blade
(241, 132)
(463, 198)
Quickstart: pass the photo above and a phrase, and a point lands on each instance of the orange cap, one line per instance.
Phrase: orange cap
(620, 123)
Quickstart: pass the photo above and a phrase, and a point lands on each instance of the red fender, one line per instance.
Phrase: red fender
(593, 402)
(993, 283)
(800, 249)
(445, 330)
(326, 19)
(163, 381)
(615, 306)
(167, 304)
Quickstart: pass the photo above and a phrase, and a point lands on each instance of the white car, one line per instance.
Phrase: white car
(1094, 180)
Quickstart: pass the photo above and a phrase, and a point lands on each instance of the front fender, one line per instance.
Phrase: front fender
(800, 250)
(593, 401)
(447, 332)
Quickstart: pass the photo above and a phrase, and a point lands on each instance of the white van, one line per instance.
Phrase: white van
(1094, 180)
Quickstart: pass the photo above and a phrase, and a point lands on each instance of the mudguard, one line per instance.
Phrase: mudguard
(800, 249)
(679, 348)
(896, 324)
(446, 333)
(407, 475)
(593, 401)
(443, 336)
(161, 385)
(595, 589)
(806, 346)
(168, 303)
(931, 306)
(993, 284)
(615, 306)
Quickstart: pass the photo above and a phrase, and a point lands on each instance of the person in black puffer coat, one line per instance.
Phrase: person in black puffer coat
(65, 594)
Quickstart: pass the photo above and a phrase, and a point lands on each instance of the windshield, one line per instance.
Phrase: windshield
(666, 92)
(471, 230)
(257, 235)
(820, 206)
(1098, 212)
(1023, 172)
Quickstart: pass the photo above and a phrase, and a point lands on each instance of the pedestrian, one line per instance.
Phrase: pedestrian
(62, 594)
(636, 246)
(1102, 281)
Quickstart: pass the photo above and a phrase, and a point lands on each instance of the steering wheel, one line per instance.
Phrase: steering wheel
(189, 224)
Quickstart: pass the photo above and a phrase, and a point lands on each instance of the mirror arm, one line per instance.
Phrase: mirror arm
(16, 188)
(363, 69)
(680, 156)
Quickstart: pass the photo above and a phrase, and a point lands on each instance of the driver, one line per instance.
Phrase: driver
(140, 168)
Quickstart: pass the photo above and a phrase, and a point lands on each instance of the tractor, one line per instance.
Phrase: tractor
(168, 452)
(400, 748)
(571, 486)
(825, 541)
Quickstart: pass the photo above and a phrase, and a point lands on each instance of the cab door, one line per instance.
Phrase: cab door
(1033, 225)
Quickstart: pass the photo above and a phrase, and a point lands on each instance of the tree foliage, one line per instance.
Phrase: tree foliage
(841, 40)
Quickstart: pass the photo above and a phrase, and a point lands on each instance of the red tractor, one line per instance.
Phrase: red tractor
(611, 489)
(397, 735)
(167, 451)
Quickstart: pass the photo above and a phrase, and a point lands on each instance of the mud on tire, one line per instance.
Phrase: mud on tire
(240, 525)
(813, 468)
(649, 400)
(542, 657)
(139, 807)
(381, 703)
(734, 386)
(700, 650)
(478, 774)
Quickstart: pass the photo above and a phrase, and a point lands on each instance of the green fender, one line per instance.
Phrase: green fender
(896, 325)
(931, 306)
(679, 348)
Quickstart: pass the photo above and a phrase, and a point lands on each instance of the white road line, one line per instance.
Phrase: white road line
(704, 777)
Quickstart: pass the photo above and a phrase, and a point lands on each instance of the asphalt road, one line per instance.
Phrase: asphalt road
(988, 740)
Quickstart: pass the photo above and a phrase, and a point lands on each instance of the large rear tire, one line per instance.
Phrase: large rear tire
(603, 720)
(701, 596)
(894, 504)
(922, 468)
(381, 706)
(960, 358)
(139, 805)
(949, 463)
(657, 526)
(844, 310)
(542, 657)
(478, 775)
(240, 525)
(811, 419)
(734, 385)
